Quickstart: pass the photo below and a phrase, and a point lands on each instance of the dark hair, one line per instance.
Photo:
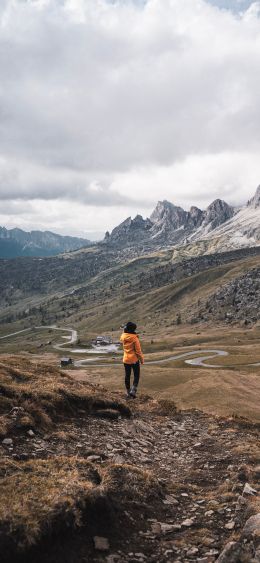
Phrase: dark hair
(130, 328)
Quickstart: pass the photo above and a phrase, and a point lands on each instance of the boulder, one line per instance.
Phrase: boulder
(252, 527)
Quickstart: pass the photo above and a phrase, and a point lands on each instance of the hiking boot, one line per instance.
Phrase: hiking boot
(128, 396)
(133, 392)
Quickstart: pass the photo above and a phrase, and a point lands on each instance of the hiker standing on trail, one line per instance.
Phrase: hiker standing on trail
(132, 357)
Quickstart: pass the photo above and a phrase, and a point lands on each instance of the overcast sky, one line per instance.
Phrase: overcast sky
(107, 106)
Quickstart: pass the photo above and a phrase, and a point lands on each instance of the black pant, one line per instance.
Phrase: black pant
(136, 370)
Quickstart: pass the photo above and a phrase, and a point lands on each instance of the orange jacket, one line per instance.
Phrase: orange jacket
(132, 348)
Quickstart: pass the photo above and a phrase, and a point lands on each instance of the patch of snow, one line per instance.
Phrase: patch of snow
(243, 229)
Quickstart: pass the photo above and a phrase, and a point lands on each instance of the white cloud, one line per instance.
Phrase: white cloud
(197, 180)
(63, 217)
(114, 105)
(234, 5)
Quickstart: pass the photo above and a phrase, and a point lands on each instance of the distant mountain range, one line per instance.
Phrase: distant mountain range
(222, 225)
(16, 242)
(201, 264)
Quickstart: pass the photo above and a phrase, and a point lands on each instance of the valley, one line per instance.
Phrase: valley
(226, 380)
(129, 281)
(79, 464)
(183, 307)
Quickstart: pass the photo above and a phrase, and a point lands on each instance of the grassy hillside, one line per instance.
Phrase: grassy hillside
(99, 292)
(233, 388)
(108, 300)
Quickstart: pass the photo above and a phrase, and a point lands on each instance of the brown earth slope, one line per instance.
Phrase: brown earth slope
(156, 484)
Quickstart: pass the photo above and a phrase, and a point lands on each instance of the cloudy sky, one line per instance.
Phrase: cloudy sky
(107, 106)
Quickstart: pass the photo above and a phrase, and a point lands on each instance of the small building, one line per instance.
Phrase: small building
(102, 341)
(66, 362)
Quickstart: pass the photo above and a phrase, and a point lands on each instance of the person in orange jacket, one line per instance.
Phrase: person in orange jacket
(132, 357)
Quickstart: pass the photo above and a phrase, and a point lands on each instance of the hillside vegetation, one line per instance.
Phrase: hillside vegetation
(102, 291)
(38, 396)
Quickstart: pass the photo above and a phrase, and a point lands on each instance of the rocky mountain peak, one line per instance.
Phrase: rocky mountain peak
(195, 216)
(129, 231)
(170, 225)
(195, 210)
(255, 201)
(165, 209)
(167, 217)
(217, 213)
(138, 221)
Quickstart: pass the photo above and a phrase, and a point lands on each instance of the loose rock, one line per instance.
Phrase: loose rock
(230, 553)
(230, 525)
(100, 543)
(252, 526)
(7, 442)
(249, 490)
(156, 528)
(187, 523)
(93, 458)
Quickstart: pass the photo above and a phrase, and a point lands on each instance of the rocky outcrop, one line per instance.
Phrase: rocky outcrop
(195, 216)
(169, 224)
(168, 216)
(135, 230)
(217, 212)
(171, 272)
(238, 300)
(255, 201)
(247, 548)
(241, 227)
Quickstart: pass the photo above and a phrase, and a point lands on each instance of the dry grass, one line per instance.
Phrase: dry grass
(36, 396)
(223, 392)
(40, 497)
(167, 407)
(253, 508)
(250, 450)
(230, 390)
(3, 427)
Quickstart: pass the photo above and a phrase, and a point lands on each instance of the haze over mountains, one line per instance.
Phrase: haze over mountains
(16, 242)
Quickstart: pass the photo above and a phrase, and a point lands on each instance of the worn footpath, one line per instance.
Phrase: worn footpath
(208, 473)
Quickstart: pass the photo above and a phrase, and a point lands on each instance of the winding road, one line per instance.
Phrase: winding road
(195, 361)
(72, 338)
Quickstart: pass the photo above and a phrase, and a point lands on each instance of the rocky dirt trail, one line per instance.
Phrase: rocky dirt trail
(208, 470)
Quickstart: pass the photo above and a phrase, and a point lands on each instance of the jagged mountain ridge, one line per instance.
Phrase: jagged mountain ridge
(242, 229)
(255, 201)
(16, 242)
(171, 225)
